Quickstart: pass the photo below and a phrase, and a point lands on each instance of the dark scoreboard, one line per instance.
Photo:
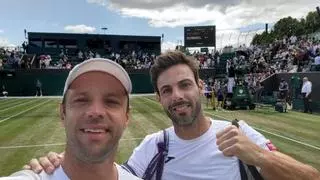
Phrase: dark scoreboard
(200, 36)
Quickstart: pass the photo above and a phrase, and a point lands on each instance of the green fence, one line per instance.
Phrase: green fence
(23, 82)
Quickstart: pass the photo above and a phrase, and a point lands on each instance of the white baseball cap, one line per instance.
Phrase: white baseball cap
(102, 65)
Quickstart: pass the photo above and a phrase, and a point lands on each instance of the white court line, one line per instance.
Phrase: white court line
(3, 120)
(265, 131)
(16, 105)
(55, 144)
(10, 103)
(4, 102)
(274, 134)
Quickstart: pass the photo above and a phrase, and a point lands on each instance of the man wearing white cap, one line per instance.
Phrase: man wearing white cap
(94, 112)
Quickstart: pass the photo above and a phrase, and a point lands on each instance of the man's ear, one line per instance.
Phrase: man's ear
(126, 123)
(200, 84)
(62, 113)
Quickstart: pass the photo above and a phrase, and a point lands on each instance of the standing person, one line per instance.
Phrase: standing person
(213, 98)
(208, 94)
(231, 80)
(4, 91)
(295, 85)
(38, 88)
(94, 112)
(200, 148)
(283, 89)
(220, 96)
(306, 95)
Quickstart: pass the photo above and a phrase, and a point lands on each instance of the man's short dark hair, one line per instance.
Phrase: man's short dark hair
(169, 59)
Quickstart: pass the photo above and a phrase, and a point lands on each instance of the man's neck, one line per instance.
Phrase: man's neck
(201, 125)
(76, 169)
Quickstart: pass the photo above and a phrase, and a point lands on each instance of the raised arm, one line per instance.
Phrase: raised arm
(274, 165)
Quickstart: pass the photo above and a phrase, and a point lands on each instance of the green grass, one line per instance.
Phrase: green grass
(41, 125)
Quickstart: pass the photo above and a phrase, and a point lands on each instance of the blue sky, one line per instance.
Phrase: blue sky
(141, 17)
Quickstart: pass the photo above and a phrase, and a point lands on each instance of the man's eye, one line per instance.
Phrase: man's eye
(112, 102)
(185, 85)
(81, 100)
(165, 91)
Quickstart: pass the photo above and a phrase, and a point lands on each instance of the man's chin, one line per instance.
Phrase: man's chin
(94, 157)
(183, 122)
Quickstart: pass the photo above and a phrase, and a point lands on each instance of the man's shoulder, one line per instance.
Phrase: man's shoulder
(157, 136)
(125, 175)
(30, 175)
(23, 175)
(220, 123)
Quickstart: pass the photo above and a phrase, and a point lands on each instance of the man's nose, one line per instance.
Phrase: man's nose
(177, 94)
(96, 110)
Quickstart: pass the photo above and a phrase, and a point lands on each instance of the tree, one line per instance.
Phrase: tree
(287, 27)
(312, 22)
(264, 38)
(290, 26)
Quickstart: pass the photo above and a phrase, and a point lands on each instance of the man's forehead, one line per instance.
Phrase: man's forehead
(94, 90)
(172, 82)
(176, 72)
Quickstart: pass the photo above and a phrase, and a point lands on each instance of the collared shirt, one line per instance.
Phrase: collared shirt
(306, 87)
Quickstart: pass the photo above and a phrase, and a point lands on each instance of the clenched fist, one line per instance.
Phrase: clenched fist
(232, 142)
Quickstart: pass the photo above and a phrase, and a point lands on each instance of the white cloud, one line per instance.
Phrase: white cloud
(4, 42)
(1, 31)
(161, 4)
(79, 28)
(224, 14)
(168, 45)
(235, 38)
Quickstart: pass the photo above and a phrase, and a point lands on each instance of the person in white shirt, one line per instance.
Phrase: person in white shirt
(317, 59)
(200, 148)
(306, 94)
(94, 112)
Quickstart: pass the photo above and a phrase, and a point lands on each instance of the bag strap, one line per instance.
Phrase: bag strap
(252, 169)
(128, 168)
(243, 172)
(254, 172)
(157, 162)
(164, 148)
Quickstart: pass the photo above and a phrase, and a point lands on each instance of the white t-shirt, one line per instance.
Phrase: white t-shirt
(231, 84)
(198, 158)
(306, 87)
(59, 174)
(317, 60)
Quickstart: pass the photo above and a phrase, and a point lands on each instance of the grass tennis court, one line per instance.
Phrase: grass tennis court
(30, 127)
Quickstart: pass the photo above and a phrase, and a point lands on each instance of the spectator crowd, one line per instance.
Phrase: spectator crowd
(12, 59)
